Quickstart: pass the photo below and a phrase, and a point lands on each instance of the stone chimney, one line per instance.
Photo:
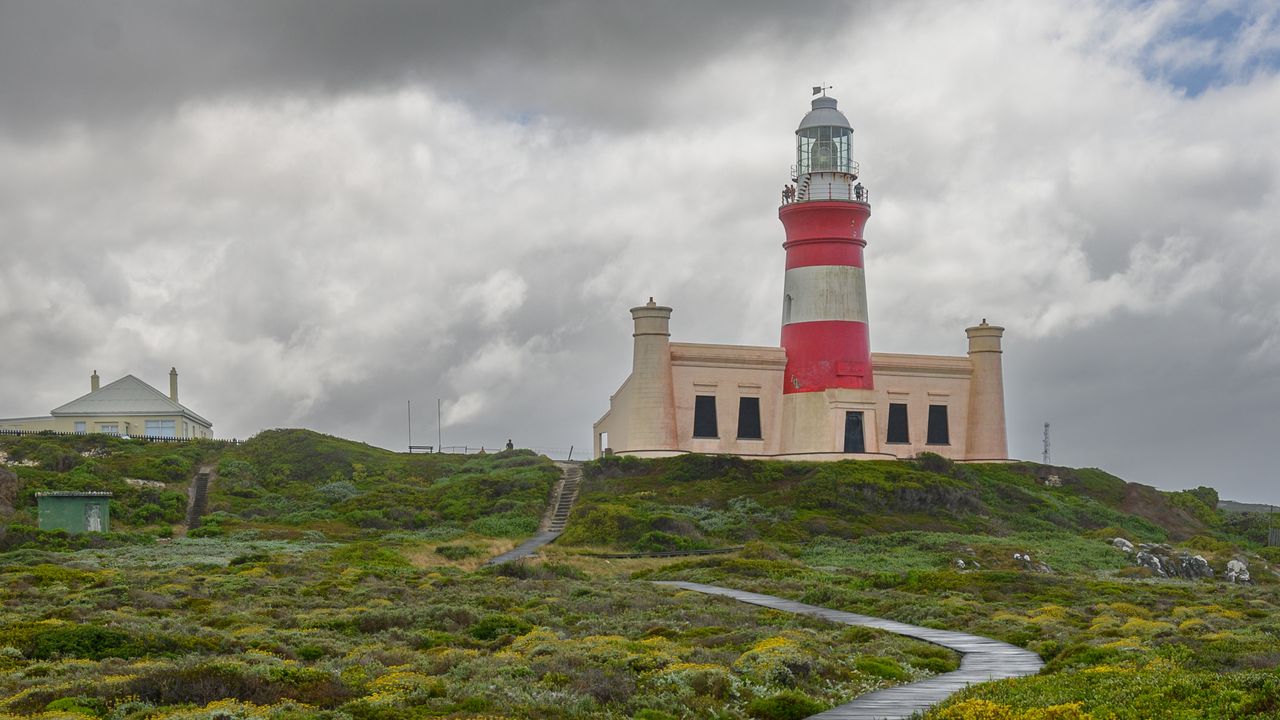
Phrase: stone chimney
(173, 384)
(653, 423)
(93, 382)
(986, 432)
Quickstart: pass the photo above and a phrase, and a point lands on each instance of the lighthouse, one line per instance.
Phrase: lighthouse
(827, 385)
(821, 394)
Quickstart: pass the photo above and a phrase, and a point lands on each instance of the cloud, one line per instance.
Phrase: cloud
(317, 222)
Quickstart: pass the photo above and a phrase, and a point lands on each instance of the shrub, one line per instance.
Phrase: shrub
(458, 552)
(881, 667)
(492, 627)
(83, 641)
(505, 525)
(786, 705)
(336, 492)
(80, 705)
(659, 541)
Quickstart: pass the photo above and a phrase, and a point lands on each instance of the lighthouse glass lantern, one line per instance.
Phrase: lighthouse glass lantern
(823, 140)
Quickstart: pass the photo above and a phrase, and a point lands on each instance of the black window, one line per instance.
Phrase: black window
(704, 417)
(749, 418)
(938, 432)
(854, 441)
(898, 424)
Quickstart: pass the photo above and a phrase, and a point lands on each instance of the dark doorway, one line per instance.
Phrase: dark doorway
(853, 438)
(704, 417)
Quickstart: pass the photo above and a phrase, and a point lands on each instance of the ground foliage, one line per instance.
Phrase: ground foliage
(219, 627)
(703, 501)
(280, 482)
(333, 581)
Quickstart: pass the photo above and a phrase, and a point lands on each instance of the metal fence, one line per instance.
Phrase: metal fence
(1273, 538)
(143, 438)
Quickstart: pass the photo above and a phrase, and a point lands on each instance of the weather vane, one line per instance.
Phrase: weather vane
(822, 89)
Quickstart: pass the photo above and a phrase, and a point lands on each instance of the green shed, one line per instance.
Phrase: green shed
(75, 512)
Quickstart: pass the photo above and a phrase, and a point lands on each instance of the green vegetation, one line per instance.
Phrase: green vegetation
(708, 500)
(1119, 644)
(280, 483)
(356, 630)
(337, 580)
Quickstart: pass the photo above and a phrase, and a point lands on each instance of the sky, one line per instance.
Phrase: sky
(321, 211)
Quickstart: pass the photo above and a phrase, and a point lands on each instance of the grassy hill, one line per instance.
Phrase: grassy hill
(339, 580)
(279, 483)
(703, 501)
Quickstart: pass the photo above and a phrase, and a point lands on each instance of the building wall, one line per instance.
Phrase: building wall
(125, 424)
(728, 372)
(653, 413)
(71, 513)
(920, 381)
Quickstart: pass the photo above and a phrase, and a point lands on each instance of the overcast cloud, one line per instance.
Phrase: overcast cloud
(318, 211)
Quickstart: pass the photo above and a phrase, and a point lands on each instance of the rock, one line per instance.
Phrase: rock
(1237, 572)
(1194, 566)
(960, 564)
(1164, 561)
(1145, 559)
(1028, 564)
(1122, 544)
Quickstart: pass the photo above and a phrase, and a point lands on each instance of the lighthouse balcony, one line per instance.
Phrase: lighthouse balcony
(826, 186)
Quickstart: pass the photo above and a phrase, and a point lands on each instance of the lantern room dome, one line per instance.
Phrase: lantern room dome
(824, 114)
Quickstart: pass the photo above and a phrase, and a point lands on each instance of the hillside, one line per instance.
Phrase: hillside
(337, 580)
(699, 501)
(281, 483)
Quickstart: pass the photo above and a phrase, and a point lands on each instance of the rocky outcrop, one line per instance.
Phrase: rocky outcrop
(1164, 561)
(1024, 559)
(1237, 572)
(1122, 545)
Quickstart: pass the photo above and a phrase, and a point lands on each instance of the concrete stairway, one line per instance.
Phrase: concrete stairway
(553, 522)
(563, 504)
(198, 502)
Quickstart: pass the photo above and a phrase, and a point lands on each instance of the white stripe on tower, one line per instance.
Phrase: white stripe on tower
(825, 292)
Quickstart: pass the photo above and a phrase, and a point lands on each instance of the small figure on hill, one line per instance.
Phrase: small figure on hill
(510, 446)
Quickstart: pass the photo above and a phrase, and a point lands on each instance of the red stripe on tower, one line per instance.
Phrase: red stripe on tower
(824, 311)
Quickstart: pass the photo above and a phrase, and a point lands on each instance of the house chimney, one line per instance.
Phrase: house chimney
(93, 382)
(173, 384)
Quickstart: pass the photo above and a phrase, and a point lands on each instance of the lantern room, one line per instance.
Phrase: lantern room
(824, 140)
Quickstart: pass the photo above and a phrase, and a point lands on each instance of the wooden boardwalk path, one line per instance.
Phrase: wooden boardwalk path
(982, 658)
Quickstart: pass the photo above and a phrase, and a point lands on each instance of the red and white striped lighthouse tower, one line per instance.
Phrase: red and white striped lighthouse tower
(827, 398)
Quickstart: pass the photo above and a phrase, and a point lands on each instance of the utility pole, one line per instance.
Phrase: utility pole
(1046, 444)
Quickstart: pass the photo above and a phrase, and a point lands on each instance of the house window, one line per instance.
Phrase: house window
(161, 428)
(938, 431)
(80, 427)
(749, 419)
(704, 417)
(109, 428)
(898, 424)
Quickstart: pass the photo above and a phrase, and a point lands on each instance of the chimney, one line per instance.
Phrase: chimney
(93, 382)
(173, 384)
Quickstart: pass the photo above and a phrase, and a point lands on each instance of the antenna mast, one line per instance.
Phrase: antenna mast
(1046, 444)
